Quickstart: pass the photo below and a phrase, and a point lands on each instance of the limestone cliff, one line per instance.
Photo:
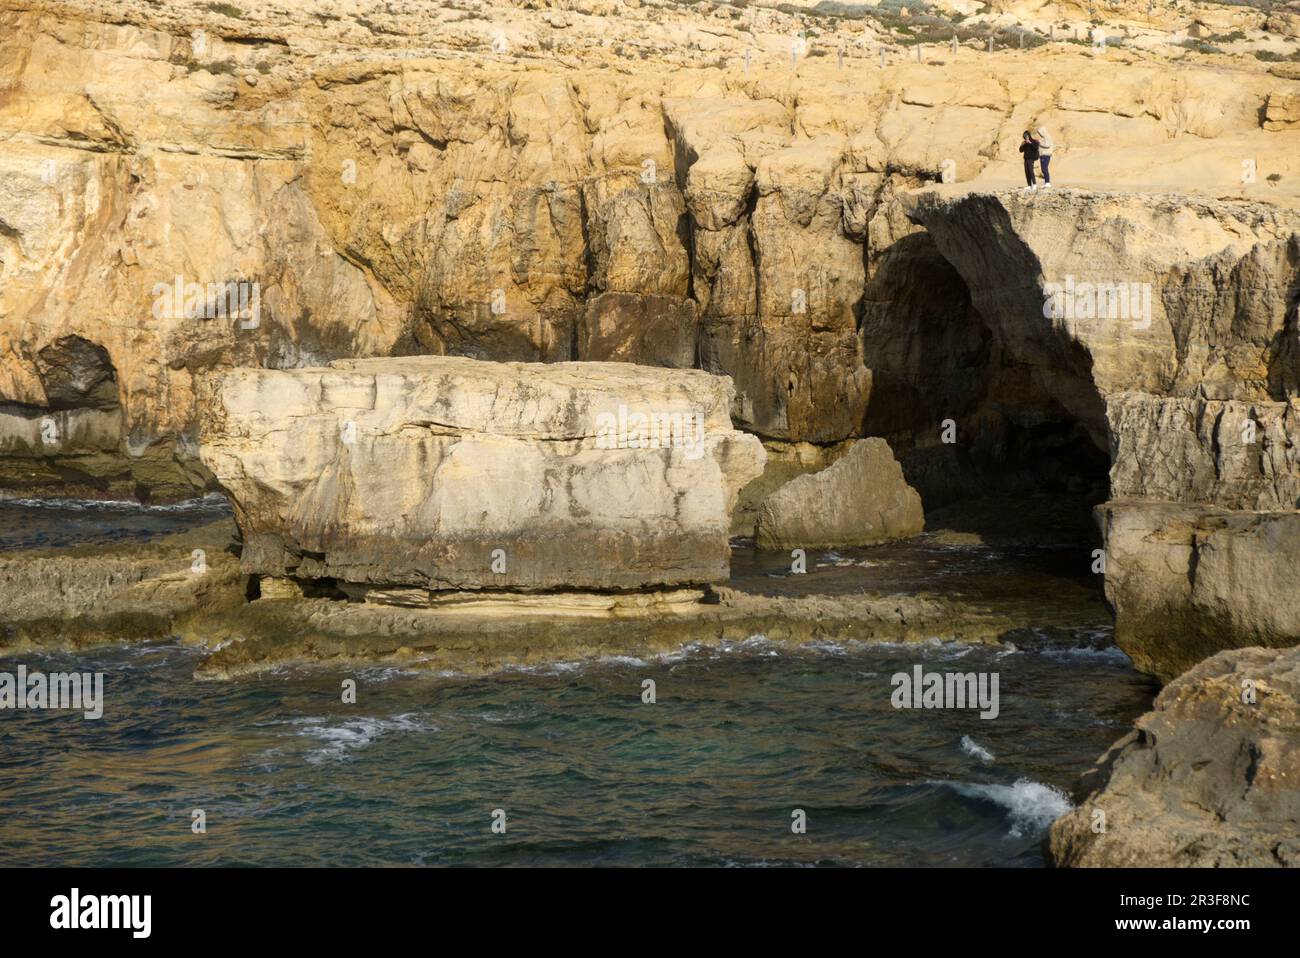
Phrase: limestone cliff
(196, 186)
(191, 188)
(1166, 326)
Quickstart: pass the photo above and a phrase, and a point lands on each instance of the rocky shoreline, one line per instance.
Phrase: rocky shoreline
(508, 336)
(251, 623)
(1207, 779)
(82, 596)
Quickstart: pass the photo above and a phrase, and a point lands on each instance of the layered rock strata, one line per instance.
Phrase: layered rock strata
(450, 473)
(91, 595)
(195, 186)
(1167, 328)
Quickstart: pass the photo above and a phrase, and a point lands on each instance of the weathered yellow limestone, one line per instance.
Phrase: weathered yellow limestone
(452, 473)
(615, 181)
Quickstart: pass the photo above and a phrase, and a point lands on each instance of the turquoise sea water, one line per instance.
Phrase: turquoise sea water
(584, 771)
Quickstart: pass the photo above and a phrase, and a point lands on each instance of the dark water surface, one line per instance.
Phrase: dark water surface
(59, 523)
(585, 772)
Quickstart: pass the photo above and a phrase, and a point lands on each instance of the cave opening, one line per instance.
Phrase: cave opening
(1002, 437)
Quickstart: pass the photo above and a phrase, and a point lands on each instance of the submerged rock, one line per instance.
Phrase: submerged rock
(1207, 779)
(859, 499)
(451, 473)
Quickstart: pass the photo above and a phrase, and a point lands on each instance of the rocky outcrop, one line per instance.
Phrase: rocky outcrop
(1207, 778)
(1166, 326)
(1188, 580)
(860, 499)
(1284, 19)
(1239, 454)
(451, 473)
(99, 594)
(1149, 296)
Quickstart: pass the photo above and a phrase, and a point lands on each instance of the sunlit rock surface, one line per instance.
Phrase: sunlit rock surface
(859, 499)
(451, 473)
(1188, 580)
(642, 182)
(1167, 326)
(1207, 778)
(127, 591)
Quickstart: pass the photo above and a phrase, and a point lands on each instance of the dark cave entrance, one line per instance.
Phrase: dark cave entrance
(69, 446)
(1001, 435)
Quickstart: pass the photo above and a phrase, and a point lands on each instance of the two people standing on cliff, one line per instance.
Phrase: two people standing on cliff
(1037, 150)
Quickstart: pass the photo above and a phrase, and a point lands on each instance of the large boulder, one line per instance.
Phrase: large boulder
(1186, 580)
(451, 473)
(1207, 778)
(859, 499)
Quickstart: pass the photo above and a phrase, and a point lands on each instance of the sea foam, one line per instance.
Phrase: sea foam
(975, 750)
(1031, 806)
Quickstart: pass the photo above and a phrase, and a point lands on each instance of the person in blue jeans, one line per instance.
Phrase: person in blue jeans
(1045, 155)
(1029, 148)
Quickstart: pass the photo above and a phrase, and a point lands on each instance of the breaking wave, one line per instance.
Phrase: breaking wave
(1030, 806)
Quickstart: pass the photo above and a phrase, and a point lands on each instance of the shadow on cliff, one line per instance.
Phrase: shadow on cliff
(983, 401)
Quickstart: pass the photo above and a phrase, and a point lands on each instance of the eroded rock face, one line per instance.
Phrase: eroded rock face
(859, 499)
(451, 473)
(1154, 296)
(530, 184)
(1207, 778)
(1167, 327)
(93, 595)
(1186, 580)
(1232, 453)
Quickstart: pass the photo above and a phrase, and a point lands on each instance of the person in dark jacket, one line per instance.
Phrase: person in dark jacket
(1029, 147)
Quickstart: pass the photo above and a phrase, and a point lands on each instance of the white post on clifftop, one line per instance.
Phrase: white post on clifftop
(882, 58)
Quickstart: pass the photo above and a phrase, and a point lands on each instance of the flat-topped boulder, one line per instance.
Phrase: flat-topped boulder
(451, 473)
(1184, 580)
